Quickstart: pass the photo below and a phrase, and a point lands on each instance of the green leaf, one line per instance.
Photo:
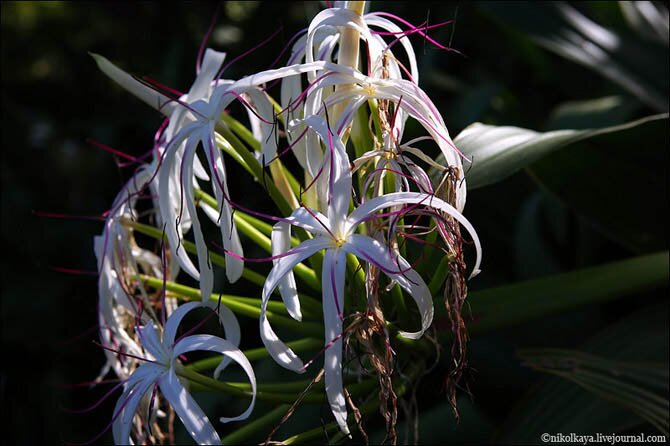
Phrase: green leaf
(497, 152)
(534, 299)
(640, 387)
(616, 181)
(636, 352)
(640, 67)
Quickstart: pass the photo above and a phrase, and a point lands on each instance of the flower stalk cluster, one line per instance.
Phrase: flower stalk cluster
(362, 196)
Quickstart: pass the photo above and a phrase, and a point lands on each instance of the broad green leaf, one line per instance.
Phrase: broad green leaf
(534, 299)
(616, 181)
(639, 387)
(553, 405)
(640, 67)
(499, 151)
(592, 113)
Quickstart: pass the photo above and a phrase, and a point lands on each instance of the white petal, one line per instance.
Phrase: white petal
(281, 242)
(277, 349)
(204, 263)
(216, 344)
(399, 198)
(151, 342)
(150, 96)
(191, 415)
(229, 235)
(374, 252)
(211, 64)
(170, 202)
(340, 173)
(135, 388)
(172, 324)
(334, 264)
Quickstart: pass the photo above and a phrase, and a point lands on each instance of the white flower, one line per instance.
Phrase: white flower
(336, 234)
(160, 369)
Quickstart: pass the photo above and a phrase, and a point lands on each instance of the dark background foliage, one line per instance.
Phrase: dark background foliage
(54, 98)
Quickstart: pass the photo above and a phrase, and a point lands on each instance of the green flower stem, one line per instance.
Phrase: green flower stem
(240, 130)
(301, 345)
(216, 259)
(369, 407)
(439, 276)
(249, 227)
(242, 218)
(235, 390)
(237, 306)
(243, 433)
(534, 299)
(255, 168)
(402, 313)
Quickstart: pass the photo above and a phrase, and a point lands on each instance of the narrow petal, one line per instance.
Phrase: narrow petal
(283, 355)
(211, 64)
(147, 94)
(281, 242)
(340, 172)
(191, 415)
(400, 198)
(229, 235)
(150, 341)
(204, 263)
(376, 253)
(216, 344)
(137, 386)
(334, 264)
(169, 202)
(173, 322)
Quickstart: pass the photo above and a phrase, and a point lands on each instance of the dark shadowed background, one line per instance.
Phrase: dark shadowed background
(54, 98)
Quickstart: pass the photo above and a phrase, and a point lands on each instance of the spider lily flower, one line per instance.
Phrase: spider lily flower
(160, 369)
(119, 260)
(335, 233)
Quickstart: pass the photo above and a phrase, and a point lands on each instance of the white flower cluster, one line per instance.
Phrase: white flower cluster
(322, 89)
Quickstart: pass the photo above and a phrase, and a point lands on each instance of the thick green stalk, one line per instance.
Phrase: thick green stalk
(216, 259)
(243, 433)
(237, 306)
(254, 354)
(247, 226)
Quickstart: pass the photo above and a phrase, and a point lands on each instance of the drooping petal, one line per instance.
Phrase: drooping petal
(215, 344)
(281, 242)
(399, 198)
(339, 194)
(169, 200)
(229, 235)
(191, 415)
(173, 322)
(376, 253)
(204, 262)
(283, 355)
(334, 264)
(134, 390)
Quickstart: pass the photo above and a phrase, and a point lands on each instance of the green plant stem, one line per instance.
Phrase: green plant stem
(439, 276)
(370, 406)
(254, 167)
(249, 226)
(216, 259)
(237, 306)
(254, 354)
(235, 390)
(243, 433)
